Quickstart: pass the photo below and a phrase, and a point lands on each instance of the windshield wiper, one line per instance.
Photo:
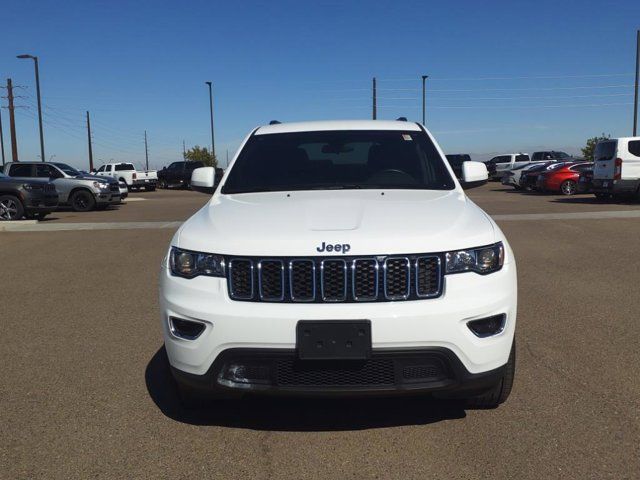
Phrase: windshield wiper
(345, 186)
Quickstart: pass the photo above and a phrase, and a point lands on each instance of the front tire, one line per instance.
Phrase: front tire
(10, 208)
(500, 391)
(83, 201)
(568, 187)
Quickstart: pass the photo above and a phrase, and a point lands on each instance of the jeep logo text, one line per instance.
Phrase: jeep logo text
(338, 247)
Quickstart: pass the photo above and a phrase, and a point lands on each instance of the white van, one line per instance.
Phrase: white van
(616, 169)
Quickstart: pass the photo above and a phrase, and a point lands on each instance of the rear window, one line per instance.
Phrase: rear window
(605, 150)
(522, 158)
(20, 170)
(124, 166)
(634, 147)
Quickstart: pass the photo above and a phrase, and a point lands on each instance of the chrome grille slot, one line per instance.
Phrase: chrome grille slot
(333, 280)
(427, 276)
(302, 280)
(364, 279)
(241, 279)
(396, 278)
(271, 280)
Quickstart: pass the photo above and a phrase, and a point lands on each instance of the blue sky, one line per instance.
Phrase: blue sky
(504, 76)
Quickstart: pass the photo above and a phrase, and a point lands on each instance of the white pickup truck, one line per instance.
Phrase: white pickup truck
(127, 173)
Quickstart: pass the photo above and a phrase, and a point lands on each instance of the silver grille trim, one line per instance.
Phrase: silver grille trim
(347, 279)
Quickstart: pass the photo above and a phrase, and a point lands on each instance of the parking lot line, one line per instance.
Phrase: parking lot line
(568, 215)
(51, 227)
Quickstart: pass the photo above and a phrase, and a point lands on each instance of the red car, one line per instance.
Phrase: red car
(563, 179)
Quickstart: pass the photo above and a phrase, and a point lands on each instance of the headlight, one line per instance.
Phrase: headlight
(184, 263)
(32, 186)
(480, 260)
(101, 185)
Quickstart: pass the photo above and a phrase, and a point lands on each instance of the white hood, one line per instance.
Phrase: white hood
(372, 222)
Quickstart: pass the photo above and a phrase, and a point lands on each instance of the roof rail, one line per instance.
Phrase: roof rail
(274, 122)
(401, 119)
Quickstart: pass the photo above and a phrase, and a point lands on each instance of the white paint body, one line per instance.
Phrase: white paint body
(296, 223)
(130, 176)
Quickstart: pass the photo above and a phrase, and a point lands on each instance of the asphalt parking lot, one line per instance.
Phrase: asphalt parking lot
(85, 390)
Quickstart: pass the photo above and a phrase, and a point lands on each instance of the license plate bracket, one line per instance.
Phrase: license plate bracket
(333, 339)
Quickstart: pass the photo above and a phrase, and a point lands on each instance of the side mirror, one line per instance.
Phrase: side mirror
(206, 179)
(474, 174)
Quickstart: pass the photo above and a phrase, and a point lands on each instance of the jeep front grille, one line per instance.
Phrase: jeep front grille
(335, 280)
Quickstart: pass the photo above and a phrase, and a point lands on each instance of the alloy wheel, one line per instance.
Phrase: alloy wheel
(8, 209)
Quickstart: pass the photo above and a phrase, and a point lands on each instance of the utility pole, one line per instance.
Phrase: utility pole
(12, 122)
(89, 139)
(35, 63)
(635, 102)
(375, 106)
(184, 151)
(146, 150)
(1, 138)
(424, 98)
(213, 145)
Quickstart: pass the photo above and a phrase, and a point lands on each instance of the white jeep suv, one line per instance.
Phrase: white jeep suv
(340, 257)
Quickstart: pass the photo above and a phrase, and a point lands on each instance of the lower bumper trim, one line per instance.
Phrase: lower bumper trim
(279, 371)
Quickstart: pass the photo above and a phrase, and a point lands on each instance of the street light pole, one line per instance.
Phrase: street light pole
(35, 62)
(424, 103)
(635, 102)
(213, 145)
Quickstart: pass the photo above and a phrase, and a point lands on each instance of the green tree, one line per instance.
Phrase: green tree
(589, 149)
(201, 154)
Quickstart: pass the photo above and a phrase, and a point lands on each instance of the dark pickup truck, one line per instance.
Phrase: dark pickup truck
(26, 197)
(177, 174)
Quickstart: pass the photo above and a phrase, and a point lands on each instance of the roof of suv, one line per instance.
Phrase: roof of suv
(338, 125)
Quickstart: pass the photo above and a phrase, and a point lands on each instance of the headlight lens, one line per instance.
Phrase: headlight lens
(32, 186)
(480, 260)
(184, 263)
(101, 185)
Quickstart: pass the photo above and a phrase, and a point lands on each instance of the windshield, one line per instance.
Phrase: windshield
(72, 172)
(338, 160)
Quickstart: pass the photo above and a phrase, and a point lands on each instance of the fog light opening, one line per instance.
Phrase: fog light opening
(248, 373)
(186, 329)
(487, 327)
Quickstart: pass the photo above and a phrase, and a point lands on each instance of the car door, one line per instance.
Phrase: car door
(630, 154)
(57, 178)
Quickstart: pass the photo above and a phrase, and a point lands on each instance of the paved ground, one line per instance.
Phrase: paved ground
(85, 392)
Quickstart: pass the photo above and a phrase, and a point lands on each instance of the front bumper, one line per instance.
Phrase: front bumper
(278, 371)
(439, 323)
(107, 198)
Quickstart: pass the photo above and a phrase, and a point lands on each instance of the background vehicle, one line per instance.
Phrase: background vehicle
(506, 162)
(563, 179)
(551, 155)
(30, 198)
(82, 192)
(616, 169)
(124, 191)
(585, 180)
(127, 173)
(313, 278)
(512, 177)
(456, 160)
(177, 174)
(529, 177)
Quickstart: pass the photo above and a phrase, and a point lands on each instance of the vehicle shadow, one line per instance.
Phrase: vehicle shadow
(592, 200)
(295, 413)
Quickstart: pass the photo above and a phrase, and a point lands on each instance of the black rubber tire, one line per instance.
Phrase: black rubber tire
(568, 187)
(82, 201)
(500, 392)
(162, 184)
(11, 208)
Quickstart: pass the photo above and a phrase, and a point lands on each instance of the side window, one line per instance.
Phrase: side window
(522, 158)
(43, 171)
(101, 169)
(634, 148)
(17, 170)
(108, 168)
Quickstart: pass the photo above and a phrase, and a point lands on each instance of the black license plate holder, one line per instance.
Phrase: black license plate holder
(333, 339)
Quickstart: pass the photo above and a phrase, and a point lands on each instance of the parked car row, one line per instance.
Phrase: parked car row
(35, 189)
(615, 172)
